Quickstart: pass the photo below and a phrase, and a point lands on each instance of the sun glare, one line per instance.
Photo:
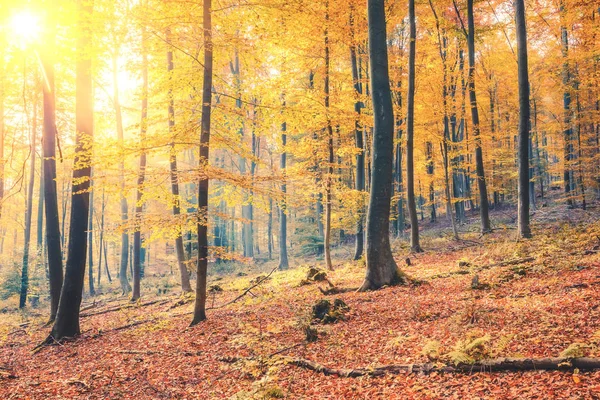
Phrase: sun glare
(25, 27)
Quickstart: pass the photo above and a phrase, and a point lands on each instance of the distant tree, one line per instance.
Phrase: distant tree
(202, 260)
(415, 246)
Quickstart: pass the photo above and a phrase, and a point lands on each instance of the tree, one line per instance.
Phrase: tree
(53, 242)
(202, 225)
(410, 132)
(28, 212)
(358, 138)
(330, 154)
(523, 201)
(283, 255)
(139, 205)
(381, 267)
(483, 197)
(67, 317)
(183, 272)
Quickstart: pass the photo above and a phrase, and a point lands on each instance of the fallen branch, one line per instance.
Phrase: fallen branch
(506, 263)
(245, 292)
(152, 352)
(493, 365)
(124, 307)
(466, 271)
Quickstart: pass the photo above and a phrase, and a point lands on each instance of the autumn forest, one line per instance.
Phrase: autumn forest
(300, 199)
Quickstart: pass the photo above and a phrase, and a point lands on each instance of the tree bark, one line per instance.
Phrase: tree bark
(524, 123)
(28, 212)
(67, 318)
(139, 205)
(410, 122)
(53, 237)
(202, 260)
(483, 196)
(91, 241)
(381, 267)
(330, 158)
(567, 127)
(125, 286)
(358, 140)
(181, 261)
(283, 255)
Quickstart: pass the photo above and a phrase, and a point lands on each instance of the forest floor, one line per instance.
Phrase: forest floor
(536, 308)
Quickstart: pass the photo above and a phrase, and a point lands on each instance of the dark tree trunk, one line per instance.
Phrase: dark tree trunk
(524, 124)
(358, 140)
(183, 272)
(101, 239)
(330, 158)
(67, 318)
(91, 240)
(410, 122)
(381, 267)
(202, 259)
(283, 255)
(53, 238)
(483, 197)
(568, 128)
(28, 212)
(139, 206)
(125, 286)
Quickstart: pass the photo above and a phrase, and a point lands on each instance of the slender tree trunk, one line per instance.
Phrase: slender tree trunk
(524, 123)
(381, 267)
(358, 140)
(410, 122)
(568, 129)
(29, 211)
(330, 159)
(181, 261)
(125, 286)
(483, 196)
(91, 240)
(67, 318)
(139, 206)
(283, 255)
(53, 237)
(202, 260)
(101, 237)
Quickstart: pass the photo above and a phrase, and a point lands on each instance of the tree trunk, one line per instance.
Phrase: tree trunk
(202, 260)
(139, 205)
(125, 286)
(330, 159)
(283, 255)
(91, 240)
(67, 318)
(410, 122)
(381, 267)
(181, 261)
(524, 123)
(101, 238)
(483, 197)
(568, 129)
(358, 140)
(53, 237)
(29, 211)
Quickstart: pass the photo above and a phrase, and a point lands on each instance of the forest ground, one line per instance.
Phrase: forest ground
(530, 309)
